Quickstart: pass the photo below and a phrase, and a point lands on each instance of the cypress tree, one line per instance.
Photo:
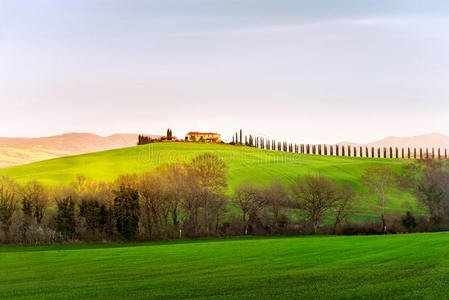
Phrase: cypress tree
(445, 153)
(414, 153)
(420, 153)
(319, 149)
(325, 149)
(408, 153)
(337, 150)
(378, 152)
(342, 150)
(241, 137)
(372, 151)
(433, 153)
(331, 149)
(397, 152)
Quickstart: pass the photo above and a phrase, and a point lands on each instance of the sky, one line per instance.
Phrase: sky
(305, 71)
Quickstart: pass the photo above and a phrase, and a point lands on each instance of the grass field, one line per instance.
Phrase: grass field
(255, 165)
(389, 267)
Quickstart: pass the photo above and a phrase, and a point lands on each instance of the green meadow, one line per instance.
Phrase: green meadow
(244, 163)
(318, 267)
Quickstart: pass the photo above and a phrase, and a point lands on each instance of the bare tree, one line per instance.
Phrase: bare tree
(343, 205)
(275, 198)
(9, 195)
(249, 200)
(36, 195)
(210, 171)
(155, 205)
(315, 195)
(381, 182)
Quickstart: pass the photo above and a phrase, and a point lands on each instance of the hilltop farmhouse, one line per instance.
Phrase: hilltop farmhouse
(196, 136)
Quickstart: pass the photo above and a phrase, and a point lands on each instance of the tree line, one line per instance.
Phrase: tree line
(191, 200)
(145, 139)
(339, 150)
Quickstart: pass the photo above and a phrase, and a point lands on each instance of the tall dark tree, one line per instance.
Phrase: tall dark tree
(126, 212)
(65, 217)
(169, 134)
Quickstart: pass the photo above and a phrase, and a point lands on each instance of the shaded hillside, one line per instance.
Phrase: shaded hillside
(18, 151)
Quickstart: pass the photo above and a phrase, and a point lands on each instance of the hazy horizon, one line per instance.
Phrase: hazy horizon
(312, 71)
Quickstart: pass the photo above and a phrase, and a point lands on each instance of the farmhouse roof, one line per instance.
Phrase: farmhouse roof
(200, 133)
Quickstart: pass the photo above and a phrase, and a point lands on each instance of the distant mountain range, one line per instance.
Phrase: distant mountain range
(18, 151)
(431, 140)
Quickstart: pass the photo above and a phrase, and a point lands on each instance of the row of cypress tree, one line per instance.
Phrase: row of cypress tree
(339, 150)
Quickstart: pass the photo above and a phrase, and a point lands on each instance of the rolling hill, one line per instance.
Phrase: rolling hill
(244, 163)
(19, 151)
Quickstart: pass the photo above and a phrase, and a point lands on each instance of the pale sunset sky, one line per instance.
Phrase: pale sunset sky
(315, 71)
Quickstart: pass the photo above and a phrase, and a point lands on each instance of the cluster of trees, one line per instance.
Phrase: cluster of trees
(174, 199)
(266, 209)
(190, 200)
(144, 139)
(338, 150)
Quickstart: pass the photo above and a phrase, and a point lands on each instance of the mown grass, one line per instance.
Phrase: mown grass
(244, 163)
(319, 267)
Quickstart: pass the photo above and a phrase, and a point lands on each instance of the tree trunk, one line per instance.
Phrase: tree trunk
(384, 225)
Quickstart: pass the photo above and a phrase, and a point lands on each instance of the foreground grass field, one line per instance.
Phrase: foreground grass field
(255, 165)
(390, 267)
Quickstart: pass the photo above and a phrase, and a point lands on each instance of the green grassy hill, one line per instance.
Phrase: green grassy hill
(256, 165)
(318, 267)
